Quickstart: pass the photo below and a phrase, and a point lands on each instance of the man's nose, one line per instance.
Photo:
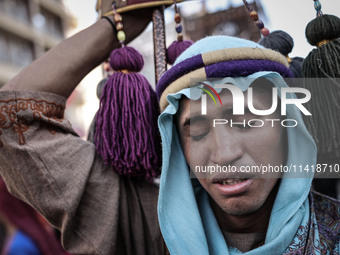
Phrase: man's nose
(226, 147)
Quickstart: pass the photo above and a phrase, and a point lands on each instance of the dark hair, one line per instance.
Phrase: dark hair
(100, 87)
(279, 41)
(282, 42)
(325, 27)
(324, 62)
(296, 66)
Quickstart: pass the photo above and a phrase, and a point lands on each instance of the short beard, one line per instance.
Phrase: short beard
(242, 211)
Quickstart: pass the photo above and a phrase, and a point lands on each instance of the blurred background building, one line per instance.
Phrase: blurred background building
(233, 21)
(29, 28)
(227, 20)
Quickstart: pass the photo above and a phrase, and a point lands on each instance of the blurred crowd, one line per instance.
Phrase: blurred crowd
(23, 231)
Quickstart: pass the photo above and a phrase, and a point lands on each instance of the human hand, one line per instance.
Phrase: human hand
(134, 22)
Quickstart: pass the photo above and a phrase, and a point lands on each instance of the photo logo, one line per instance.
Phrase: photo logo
(209, 93)
(239, 99)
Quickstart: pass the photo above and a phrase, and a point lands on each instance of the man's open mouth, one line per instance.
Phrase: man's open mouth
(231, 181)
(232, 185)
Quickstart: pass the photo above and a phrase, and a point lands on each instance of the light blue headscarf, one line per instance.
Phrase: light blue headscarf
(186, 219)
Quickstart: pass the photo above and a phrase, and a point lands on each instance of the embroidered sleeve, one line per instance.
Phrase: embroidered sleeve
(45, 164)
(16, 114)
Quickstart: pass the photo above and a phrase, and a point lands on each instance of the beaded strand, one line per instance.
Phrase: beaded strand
(178, 26)
(317, 7)
(119, 25)
(255, 17)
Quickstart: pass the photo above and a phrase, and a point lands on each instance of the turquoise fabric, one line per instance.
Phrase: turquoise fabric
(186, 220)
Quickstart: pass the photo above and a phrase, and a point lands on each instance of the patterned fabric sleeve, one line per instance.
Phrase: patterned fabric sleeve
(45, 163)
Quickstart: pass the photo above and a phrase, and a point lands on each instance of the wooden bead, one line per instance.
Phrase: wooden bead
(179, 28)
(264, 31)
(259, 24)
(117, 18)
(254, 16)
(119, 26)
(179, 37)
(178, 18)
(121, 36)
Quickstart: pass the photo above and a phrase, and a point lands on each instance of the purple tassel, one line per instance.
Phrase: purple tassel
(176, 49)
(127, 135)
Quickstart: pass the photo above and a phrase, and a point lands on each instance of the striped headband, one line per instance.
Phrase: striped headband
(230, 62)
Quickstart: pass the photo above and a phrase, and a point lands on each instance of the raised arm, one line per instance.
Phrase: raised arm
(44, 163)
(63, 67)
